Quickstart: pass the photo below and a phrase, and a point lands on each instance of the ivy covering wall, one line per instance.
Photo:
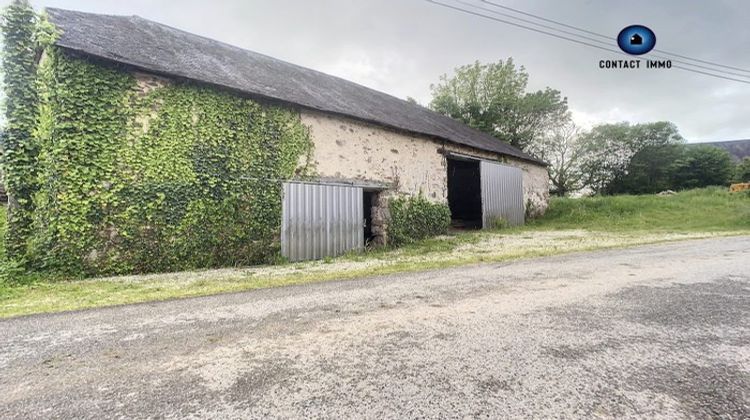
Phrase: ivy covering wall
(110, 174)
(19, 25)
(178, 177)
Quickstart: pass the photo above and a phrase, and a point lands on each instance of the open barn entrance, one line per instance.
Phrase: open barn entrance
(465, 193)
(367, 204)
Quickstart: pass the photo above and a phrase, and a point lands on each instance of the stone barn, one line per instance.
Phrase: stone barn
(366, 146)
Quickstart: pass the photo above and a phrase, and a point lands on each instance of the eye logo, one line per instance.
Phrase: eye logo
(636, 40)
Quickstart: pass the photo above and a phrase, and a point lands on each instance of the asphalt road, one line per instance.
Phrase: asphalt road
(653, 332)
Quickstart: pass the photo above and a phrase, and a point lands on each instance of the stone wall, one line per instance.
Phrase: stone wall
(348, 149)
(381, 215)
(353, 150)
(406, 163)
(147, 82)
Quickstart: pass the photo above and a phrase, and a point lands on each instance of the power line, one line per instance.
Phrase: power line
(588, 44)
(607, 36)
(531, 22)
(582, 42)
(546, 20)
(608, 42)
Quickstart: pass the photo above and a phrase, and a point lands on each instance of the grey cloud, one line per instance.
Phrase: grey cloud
(401, 46)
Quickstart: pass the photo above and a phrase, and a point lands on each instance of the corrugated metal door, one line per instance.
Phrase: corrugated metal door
(320, 220)
(502, 193)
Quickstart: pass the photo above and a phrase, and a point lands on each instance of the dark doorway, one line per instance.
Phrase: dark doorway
(465, 193)
(367, 200)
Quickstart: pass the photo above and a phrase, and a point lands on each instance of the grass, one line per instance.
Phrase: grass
(707, 209)
(3, 226)
(570, 225)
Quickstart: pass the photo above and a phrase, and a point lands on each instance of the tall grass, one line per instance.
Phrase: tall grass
(705, 209)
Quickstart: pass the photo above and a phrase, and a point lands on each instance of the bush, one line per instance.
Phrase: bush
(702, 166)
(742, 171)
(649, 171)
(14, 273)
(416, 218)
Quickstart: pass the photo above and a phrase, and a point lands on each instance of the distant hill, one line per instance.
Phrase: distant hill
(739, 149)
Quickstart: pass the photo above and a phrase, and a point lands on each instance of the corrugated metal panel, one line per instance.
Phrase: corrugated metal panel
(319, 220)
(502, 193)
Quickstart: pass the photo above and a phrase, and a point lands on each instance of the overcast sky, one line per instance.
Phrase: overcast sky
(401, 46)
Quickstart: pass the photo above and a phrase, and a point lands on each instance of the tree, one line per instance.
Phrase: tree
(493, 98)
(561, 148)
(742, 171)
(19, 149)
(606, 153)
(702, 166)
(649, 170)
(623, 158)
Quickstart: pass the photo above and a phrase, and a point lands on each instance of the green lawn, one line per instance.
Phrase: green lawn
(570, 225)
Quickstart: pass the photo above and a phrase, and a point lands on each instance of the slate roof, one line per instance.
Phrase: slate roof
(738, 149)
(160, 49)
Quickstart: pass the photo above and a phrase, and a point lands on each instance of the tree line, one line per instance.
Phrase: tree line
(621, 158)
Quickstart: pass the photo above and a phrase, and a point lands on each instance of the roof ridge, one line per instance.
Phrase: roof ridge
(720, 141)
(46, 8)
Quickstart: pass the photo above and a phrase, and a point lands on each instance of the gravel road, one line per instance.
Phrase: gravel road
(659, 331)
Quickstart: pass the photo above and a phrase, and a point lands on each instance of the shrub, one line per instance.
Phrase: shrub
(702, 166)
(416, 218)
(742, 171)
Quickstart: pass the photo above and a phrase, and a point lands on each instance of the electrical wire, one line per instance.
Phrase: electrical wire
(587, 38)
(609, 38)
(577, 41)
